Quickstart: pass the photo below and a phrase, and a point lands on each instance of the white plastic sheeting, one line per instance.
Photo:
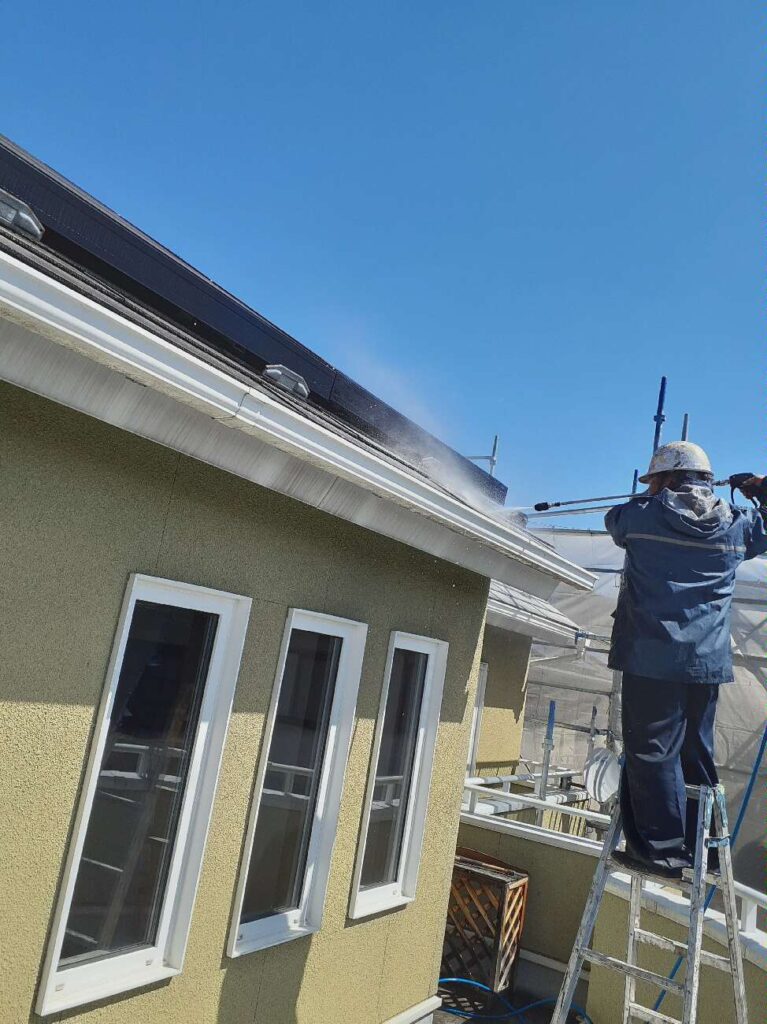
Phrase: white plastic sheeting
(742, 712)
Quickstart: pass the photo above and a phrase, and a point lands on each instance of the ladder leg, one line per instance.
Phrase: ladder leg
(635, 914)
(575, 963)
(730, 909)
(697, 899)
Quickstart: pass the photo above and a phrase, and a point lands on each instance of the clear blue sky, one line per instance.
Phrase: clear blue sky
(502, 216)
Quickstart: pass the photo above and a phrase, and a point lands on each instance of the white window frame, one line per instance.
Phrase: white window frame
(402, 891)
(63, 988)
(246, 937)
(476, 720)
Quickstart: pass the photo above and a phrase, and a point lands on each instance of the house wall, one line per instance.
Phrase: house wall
(557, 890)
(84, 505)
(507, 656)
(715, 1004)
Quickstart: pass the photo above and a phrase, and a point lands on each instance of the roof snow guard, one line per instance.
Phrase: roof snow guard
(70, 336)
(80, 228)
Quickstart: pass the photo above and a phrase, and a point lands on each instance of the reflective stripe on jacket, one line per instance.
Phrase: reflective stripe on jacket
(682, 550)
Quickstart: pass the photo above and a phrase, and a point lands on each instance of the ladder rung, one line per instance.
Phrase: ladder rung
(652, 1016)
(614, 964)
(684, 884)
(649, 876)
(681, 948)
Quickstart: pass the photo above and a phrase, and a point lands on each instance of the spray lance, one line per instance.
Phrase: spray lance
(734, 482)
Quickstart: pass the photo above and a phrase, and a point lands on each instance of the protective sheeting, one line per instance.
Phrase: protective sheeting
(742, 713)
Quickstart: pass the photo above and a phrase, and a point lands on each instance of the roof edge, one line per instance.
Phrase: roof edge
(79, 323)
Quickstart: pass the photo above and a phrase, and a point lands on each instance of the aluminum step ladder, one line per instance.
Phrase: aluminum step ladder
(711, 806)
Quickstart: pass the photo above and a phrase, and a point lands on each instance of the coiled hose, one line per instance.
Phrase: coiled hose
(513, 1012)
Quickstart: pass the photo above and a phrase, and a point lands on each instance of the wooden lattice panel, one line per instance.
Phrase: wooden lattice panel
(485, 917)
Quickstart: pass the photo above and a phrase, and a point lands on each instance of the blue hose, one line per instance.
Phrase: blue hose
(733, 837)
(513, 1011)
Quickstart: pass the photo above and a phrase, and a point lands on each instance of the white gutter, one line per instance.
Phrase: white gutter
(78, 324)
(517, 620)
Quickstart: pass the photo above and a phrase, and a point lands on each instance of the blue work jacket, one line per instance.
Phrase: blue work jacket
(682, 549)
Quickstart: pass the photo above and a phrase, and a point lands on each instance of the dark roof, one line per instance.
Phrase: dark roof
(88, 236)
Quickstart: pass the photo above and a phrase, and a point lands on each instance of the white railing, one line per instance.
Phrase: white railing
(751, 901)
(559, 801)
(288, 780)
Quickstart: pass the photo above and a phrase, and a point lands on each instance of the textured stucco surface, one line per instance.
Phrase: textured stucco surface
(715, 1005)
(84, 505)
(507, 656)
(558, 887)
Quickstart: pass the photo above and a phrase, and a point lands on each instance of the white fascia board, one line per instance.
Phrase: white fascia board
(529, 624)
(59, 313)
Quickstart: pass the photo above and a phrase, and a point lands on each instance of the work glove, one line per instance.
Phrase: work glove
(752, 487)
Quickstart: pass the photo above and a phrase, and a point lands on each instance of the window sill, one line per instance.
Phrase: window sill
(375, 901)
(79, 995)
(264, 937)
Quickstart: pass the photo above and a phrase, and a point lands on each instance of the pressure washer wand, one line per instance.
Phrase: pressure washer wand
(544, 506)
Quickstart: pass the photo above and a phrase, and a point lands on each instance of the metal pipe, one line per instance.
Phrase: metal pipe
(545, 805)
(548, 747)
(613, 711)
(543, 506)
(561, 511)
(659, 418)
(593, 731)
(685, 426)
(492, 458)
(570, 511)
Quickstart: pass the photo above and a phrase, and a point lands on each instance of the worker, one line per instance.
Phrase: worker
(671, 641)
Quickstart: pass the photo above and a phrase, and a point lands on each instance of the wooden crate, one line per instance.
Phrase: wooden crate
(485, 917)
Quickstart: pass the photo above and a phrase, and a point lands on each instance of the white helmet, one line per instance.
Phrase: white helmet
(683, 456)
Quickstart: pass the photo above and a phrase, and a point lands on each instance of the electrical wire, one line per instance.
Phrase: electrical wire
(733, 838)
(514, 1012)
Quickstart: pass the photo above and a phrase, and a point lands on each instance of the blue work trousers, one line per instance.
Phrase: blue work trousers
(668, 741)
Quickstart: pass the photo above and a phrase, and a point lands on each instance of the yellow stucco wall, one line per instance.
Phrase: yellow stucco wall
(559, 884)
(715, 1004)
(507, 656)
(83, 505)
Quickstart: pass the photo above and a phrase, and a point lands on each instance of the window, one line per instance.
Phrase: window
(134, 860)
(281, 891)
(476, 720)
(398, 790)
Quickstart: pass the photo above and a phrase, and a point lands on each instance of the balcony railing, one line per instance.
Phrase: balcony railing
(751, 901)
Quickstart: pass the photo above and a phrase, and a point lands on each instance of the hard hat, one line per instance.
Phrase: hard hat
(683, 456)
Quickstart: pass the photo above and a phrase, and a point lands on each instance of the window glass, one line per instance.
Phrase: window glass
(292, 776)
(394, 770)
(131, 831)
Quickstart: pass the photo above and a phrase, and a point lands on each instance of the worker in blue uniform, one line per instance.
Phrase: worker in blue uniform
(671, 641)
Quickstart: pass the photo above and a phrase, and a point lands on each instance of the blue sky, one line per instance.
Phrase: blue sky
(501, 216)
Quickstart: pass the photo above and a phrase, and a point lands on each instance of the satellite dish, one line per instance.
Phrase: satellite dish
(602, 775)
